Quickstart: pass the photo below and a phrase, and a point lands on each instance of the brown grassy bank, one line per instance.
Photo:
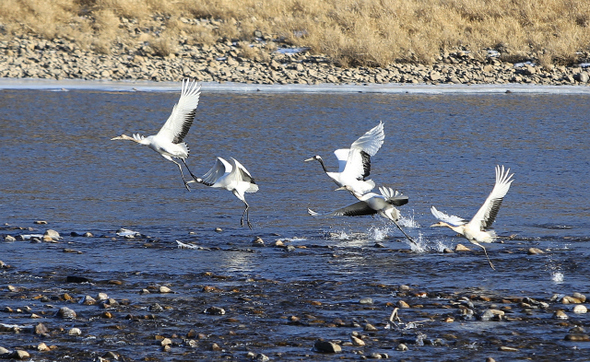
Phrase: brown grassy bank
(351, 32)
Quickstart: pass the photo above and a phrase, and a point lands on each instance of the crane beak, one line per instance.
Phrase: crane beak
(437, 224)
(116, 138)
(343, 188)
(309, 159)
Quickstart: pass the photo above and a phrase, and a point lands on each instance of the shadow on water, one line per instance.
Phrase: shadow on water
(59, 165)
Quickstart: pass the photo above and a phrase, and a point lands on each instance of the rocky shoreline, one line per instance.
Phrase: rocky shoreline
(31, 57)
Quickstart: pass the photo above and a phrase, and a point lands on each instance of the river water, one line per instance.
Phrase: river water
(59, 165)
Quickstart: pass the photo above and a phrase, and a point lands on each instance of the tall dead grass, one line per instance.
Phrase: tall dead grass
(353, 32)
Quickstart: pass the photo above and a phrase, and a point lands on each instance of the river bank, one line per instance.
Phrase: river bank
(35, 58)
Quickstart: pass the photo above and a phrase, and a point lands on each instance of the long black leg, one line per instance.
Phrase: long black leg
(182, 174)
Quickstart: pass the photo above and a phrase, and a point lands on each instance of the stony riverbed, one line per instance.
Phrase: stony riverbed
(32, 57)
(76, 312)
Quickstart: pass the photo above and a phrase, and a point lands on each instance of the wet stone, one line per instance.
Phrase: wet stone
(357, 341)
(258, 241)
(575, 337)
(67, 313)
(20, 355)
(560, 314)
(461, 247)
(580, 309)
(40, 329)
(370, 328)
(401, 347)
(260, 358)
(326, 347)
(75, 332)
(164, 289)
(366, 300)
(9, 238)
(579, 296)
(214, 311)
(492, 314)
(535, 251)
(51, 234)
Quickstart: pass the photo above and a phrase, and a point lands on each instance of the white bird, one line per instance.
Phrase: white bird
(355, 162)
(168, 142)
(476, 230)
(372, 203)
(233, 177)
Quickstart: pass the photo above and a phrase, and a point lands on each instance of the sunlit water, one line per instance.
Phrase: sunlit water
(58, 164)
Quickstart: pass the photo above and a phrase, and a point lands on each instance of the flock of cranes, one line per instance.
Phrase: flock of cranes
(354, 170)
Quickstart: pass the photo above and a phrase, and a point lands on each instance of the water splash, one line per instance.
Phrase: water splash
(557, 277)
(408, 221)
(378, 233)
(554, 269)
(421, 245)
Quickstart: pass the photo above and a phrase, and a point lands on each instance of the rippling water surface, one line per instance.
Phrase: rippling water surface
(58, 164)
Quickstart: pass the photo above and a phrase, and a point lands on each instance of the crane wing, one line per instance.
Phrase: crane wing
(342, 156)
(244, 175)
(395, 198)
(183, 113)
(221, 168)
(357, 158)
(371, 141)
(357, 209)
(488, 211)
(358, 165)
(449, 219)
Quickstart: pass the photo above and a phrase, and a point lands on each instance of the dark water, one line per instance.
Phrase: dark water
(58, 164)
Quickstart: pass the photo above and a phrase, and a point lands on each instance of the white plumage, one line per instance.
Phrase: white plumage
(168, 142)
(232, 176)
(355, 162)
(476, 230)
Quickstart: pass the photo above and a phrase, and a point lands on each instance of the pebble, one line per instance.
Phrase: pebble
(42, 347)
(535, 251)
(357, 341)
(507, 349)
(401, 347)
(570, 300)
(461, 247)
(75, 332)
(579, 296)
(51, 235)
(492, 314)
(9, 238)
(258, 241)
(164, 289)
(326, 347)
(560, 314)
(370, 328)
(403, 304)
(4, 351)
(88, 300)
(575, 337)
(366, 300)
(65, 312)
(41, 330)
(260, 358)
(214, 311)
(580, 309)
(20, 354)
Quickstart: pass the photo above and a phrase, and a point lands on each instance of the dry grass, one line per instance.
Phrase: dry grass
(352, 32)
